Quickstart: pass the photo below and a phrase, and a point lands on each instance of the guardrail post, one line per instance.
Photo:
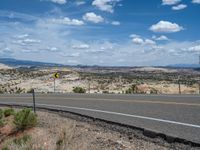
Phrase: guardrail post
(34, 101)
(179, 87)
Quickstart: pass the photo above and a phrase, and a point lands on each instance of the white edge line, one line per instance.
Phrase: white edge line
(115, 113)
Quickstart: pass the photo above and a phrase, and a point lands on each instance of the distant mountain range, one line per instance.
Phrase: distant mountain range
(26, 63)
(184, 66)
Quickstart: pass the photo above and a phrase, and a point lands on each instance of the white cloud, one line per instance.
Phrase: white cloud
(149, 42)
(78, 3)
(160, 38)
(140, 41)
(196, 1)
(115, 23)
(194, 48)
(179, 7)
(92, 17)
(81, 46)
(59, 1)
(22, 36)
(165, 27)
(107, 46)
(105, 5)
(134, 36)
(31, 41)
(170, 2)
(76, 54)
(67, 21)
(24, 42)
(52, 49)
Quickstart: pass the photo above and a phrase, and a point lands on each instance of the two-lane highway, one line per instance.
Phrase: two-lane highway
(174, 115)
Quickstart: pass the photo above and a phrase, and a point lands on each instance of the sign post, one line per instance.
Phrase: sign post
(55, 76)
(199, 86)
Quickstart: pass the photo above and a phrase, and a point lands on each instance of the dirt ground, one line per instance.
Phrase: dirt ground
(54, 132)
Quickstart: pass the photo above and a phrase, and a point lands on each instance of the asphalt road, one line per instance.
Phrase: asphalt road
(174, 115)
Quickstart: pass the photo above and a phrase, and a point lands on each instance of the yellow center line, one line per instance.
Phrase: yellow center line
(112, 100)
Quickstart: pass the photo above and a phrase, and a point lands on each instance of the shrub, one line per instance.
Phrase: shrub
(132, 89)
(25, 119)
(105, 92)
(1, 91)
(5, 148)
(129, 91)
(22, 140)
(9, 112)
(79, 90)
(1, 123)
(30, 90)
(1, 114)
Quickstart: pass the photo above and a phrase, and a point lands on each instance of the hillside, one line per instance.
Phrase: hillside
(25, 63)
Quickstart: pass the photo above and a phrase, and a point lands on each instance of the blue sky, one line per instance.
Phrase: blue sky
(101, 32)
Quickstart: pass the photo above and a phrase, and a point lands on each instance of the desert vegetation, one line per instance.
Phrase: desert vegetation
(100, 80)
(12, 126)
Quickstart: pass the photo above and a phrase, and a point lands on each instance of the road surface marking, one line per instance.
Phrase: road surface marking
(113, 100)
(115, 113)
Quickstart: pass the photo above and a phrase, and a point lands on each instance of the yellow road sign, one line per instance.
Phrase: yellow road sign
(56, 75)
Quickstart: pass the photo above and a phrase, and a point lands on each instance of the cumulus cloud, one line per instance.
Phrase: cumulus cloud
(140, 41)
(170, 2)
(194, 48)
(105, 5)
(92, 17)
(149, 42)
(165, 27)
(59, 1)
(179, 7)
(196, 1)
(160, 38)
(115, 23)
(67, 21)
